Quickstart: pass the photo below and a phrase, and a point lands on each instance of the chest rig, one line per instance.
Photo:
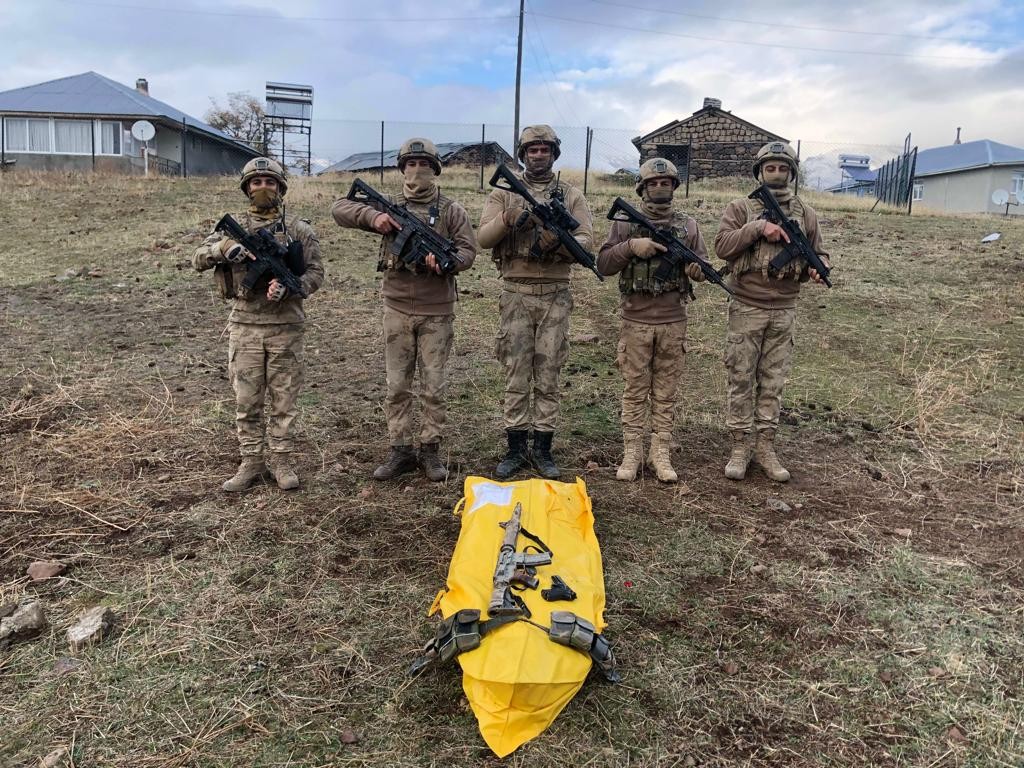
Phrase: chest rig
(759, 255)
(638, 275)
(229, 277)
(523, 243)
(435, 218)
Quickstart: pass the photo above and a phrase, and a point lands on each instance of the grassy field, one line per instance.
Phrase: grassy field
(879, 622)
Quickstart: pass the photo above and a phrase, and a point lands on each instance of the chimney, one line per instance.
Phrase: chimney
(710, 102)
(957, 136)
(142, 86)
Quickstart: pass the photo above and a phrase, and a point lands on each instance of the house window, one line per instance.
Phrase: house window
(110, 138)
(27, 134)
(918, 191)
(1017, 186)
(72, 137)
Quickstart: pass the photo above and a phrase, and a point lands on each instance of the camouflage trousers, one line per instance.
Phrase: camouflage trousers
(412, 341)
(532, 344)
(650, 358)
(758, 353)
(265, 362)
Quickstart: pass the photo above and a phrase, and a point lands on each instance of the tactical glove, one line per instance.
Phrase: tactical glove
(645, 247)
(694, 272)
(233, 252)
(547, 241)
(276, 291)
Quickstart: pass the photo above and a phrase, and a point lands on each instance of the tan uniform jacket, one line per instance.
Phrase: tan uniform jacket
(254, 308)
(738, 233)
(668, 307)
(405, 291)
(511, 248)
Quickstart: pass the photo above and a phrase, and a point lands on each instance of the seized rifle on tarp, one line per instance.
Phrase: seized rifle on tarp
(414, 239)
(268, 256)
(553, 216)
(798, 245)
(676, 256)
(515, 568)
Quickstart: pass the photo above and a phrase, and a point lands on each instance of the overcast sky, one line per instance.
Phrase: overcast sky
(864, 72)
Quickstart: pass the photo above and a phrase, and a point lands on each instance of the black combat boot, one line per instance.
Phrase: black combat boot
(400, 460)
(431, 464)
(542, 458)
(516, 457)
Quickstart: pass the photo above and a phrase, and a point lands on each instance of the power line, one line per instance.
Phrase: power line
(543, 78)
(551, 67)
(784, 46)
(787, 25)
(279, 18)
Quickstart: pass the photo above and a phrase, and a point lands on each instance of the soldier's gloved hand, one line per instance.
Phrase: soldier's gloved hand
(645, 247)
(510, 217)
(276, 291)
(693, 271)
(547, 241)
(234, 252)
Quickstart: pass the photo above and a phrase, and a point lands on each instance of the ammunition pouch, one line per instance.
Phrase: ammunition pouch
(575, 632)
(758, 256)
(435, 218)
(639, 274)
(228, 278)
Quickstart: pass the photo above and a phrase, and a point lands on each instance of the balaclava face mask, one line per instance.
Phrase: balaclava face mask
(657, 201)
(538, 168)
(778, 183)
(419, 185)
(264, 201)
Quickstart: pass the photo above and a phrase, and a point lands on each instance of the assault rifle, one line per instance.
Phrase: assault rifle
(270, 256)
(414, 239)
(798, 245)
(676, 255)
(553, 215)
(515, 568)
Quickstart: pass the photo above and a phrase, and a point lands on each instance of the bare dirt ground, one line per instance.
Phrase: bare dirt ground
(877, 622)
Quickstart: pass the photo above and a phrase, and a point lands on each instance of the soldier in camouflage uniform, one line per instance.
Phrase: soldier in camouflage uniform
(652, 343)
(265, 357)
(419, 309)
(535, 302)
(759, 344)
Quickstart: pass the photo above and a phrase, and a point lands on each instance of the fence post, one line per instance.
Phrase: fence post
(184, 149)
(913, 170)
(483, 152)
(382, 153)
(796, 179)
(92, 133)
(689, 151)
(586, 160)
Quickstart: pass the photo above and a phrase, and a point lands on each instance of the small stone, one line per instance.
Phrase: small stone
(904, 532)
(40, 570)
(95, 273)
(730, 667)
(778, 505)
(586, 338)
(761, 539)
(348, 736)
(886, 675)
(937, 672)
(163, 478)
(66, 665)
(592, 465)
(55, 759)
(26, 621)
(759, 569)
(93, 625)
(955, 734)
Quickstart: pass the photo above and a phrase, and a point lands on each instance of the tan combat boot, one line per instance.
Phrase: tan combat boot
(659, 458)
(764, 452)
(742, 452)
(431, 464)
(250, 470)
(284, 472)
(632, 455)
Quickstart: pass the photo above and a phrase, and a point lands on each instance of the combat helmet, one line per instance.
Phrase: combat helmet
(424, 148)
(263, 166)
(656, 168)
(539, 133)
(776, 150)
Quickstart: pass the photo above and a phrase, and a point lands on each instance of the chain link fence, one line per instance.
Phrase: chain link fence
(608, 155)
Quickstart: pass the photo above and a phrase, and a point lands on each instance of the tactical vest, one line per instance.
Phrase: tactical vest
(638, 275)
(759, 255)
(436, 218)
(229, 277)
(519, 244)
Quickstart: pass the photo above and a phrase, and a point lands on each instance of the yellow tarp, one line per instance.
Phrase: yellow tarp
(518, 680)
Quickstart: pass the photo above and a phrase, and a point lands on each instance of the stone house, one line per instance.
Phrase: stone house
(714, 141)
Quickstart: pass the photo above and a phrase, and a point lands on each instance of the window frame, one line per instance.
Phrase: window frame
(917, 193)
(95, 134)
(26, 119)
(53, 136)
(118, 131)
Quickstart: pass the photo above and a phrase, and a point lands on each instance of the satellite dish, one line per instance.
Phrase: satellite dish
(1000, 197)
(143, 130)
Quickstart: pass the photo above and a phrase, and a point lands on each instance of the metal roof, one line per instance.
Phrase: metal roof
(362, 161)
(859, 173)
(962, 157)
(90, 93)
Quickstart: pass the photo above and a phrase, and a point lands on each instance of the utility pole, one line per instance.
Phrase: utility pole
(519, 75)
